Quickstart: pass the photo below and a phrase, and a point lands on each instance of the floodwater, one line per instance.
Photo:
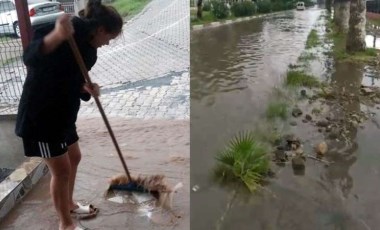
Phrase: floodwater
(233, 71)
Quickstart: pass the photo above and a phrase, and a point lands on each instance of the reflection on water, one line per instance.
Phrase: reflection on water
(348, 79)
(372, 42)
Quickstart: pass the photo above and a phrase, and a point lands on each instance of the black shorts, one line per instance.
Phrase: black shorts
(37, 148)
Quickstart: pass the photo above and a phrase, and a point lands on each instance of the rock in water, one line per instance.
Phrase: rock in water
(322, 123)
(321, 148)
(366, 91)
(308, 117)
(280, 155)
(296, 112)
(298, 163)
(299, 151)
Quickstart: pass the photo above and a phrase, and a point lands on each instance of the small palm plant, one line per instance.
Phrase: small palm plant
(244, 160)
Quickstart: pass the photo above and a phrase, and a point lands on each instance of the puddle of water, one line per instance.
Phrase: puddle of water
(145, 206)
(230, 82)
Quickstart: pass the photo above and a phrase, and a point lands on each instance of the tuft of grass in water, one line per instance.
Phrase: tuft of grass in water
(129, 7)
(243, 160)
(316, 111)
(293, 66)
(300, 78)
(312, 39)
(268, 133)
(305, 57)
(277, 109)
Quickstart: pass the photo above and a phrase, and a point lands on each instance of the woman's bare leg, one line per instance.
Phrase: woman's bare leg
(74, 157)
(59, 187)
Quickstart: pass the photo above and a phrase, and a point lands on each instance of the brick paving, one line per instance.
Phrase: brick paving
(145, 72)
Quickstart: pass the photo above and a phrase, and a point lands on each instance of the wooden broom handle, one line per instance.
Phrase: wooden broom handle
(84, 71)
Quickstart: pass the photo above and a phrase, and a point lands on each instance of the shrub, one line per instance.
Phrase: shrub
(219, 9)
(244, 160)
(278, 6)
(206, 6)
(308, 3)
(242, 9)
(264, 6)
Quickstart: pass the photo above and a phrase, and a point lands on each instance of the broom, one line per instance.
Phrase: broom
(151, 184)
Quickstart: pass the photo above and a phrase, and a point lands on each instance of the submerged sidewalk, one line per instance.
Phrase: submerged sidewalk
(149, 147)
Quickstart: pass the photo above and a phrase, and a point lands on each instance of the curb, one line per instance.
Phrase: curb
(26, 173)
(19, 183)
(217, 24)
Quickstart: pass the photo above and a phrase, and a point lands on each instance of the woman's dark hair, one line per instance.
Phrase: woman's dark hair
(103, 15)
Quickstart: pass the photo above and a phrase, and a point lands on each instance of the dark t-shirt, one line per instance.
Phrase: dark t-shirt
(51, 94)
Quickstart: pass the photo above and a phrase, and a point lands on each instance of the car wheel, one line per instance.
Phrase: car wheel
(16, 28)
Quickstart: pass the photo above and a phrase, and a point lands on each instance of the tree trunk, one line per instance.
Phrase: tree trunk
(342, 15)
(328, 5)
(356, 33)
(336, 11)
(199, 9)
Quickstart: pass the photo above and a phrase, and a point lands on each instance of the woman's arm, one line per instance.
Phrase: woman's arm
(62, 31)
(46, 39)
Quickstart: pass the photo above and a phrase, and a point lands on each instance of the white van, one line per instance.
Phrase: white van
(300, 6)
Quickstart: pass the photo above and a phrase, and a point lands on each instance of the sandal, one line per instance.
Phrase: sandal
(84, 211)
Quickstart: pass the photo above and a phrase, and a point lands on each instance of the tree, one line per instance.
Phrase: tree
(342, 15)
(356, 33)
(199, 9)
(328, 5)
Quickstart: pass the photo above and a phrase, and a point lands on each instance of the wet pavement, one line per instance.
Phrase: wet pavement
(145, 73)
(232, 82)
(149, 148)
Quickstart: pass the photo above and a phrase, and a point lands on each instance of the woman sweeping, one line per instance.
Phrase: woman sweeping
(51, 97)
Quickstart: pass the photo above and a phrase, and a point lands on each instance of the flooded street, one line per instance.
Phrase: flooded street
(233, 71)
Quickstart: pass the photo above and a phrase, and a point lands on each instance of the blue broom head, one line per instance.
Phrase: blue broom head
(131, 186)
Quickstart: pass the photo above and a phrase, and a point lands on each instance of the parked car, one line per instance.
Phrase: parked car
(40, 12)
(300, 6)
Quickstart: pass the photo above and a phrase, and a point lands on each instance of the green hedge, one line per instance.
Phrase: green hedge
(219, 10)
(242, 9)
(206, 6)
(264, 6)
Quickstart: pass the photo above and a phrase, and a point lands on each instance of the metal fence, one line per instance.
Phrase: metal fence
(12, 70)
(68, 7)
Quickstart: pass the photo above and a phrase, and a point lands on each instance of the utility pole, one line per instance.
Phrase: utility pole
(24, 22)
